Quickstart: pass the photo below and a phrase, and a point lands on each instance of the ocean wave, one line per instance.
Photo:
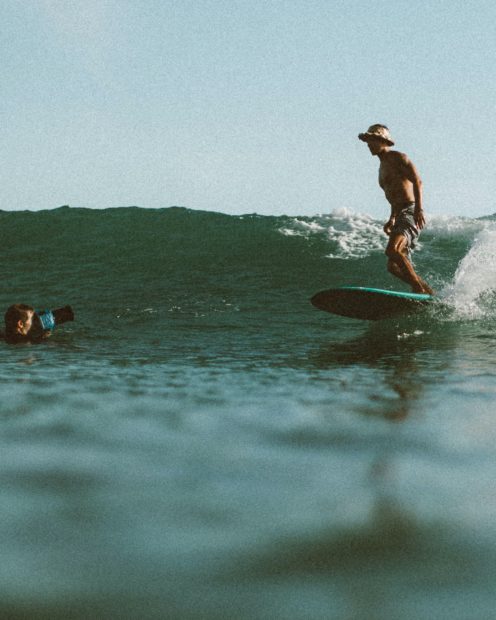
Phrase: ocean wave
(158, 258)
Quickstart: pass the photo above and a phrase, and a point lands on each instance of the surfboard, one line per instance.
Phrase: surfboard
(371, 304)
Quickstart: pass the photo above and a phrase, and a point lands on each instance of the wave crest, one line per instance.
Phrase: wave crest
(351, 235)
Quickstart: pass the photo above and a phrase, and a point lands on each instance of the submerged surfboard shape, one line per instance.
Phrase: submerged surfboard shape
(370, 304)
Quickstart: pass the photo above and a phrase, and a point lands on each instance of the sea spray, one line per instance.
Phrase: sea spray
(472, 290)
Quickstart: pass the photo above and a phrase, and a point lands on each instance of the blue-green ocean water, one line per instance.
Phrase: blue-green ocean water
(203, 443)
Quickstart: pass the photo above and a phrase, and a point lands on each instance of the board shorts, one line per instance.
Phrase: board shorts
(405, 225)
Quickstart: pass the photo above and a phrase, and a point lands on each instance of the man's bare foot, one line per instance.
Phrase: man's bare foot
(426, 287)
(423, 288)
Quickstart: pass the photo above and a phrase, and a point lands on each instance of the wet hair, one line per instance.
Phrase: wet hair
(17, 312)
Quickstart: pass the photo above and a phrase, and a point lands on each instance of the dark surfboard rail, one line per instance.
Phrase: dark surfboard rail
(370, 304)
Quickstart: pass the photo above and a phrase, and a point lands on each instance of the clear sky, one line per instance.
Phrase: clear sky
(245, 106)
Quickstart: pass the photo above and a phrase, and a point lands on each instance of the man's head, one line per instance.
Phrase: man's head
(378, 138)
(18, 320)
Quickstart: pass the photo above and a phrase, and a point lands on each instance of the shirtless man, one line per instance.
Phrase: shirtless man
(401, 183)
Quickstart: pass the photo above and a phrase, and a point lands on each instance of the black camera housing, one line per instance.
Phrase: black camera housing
(45, 321)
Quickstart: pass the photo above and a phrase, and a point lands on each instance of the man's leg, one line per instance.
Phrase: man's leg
(401, 267)
(396, 271)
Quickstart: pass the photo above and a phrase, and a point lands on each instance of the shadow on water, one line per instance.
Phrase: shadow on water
(389, 561)
(386, 342)
(404, 357)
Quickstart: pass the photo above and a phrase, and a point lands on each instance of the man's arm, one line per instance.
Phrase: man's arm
(388, 226)
(390, 223)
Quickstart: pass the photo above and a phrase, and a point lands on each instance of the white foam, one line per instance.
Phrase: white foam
(300, 228)
(449, 225)
(406, 335)
(475, 276)
(356, 235)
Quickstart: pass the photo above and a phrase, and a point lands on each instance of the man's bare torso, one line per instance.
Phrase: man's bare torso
(393, 178)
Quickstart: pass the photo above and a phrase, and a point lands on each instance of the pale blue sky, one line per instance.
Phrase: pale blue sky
(245, 106)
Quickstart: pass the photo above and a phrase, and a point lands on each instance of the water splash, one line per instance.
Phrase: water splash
(473, 289)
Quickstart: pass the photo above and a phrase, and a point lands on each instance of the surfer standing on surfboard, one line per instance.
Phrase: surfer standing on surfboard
(402, 185)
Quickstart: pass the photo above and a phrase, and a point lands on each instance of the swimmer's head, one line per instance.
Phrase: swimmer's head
(18, 320)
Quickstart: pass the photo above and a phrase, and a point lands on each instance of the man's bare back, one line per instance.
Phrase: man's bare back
(402, 186)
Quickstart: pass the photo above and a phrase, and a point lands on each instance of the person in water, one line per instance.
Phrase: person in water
(18, 322)
(402, 186)
(24, 324)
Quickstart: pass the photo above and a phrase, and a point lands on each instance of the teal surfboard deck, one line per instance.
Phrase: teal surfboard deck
(371, 304)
